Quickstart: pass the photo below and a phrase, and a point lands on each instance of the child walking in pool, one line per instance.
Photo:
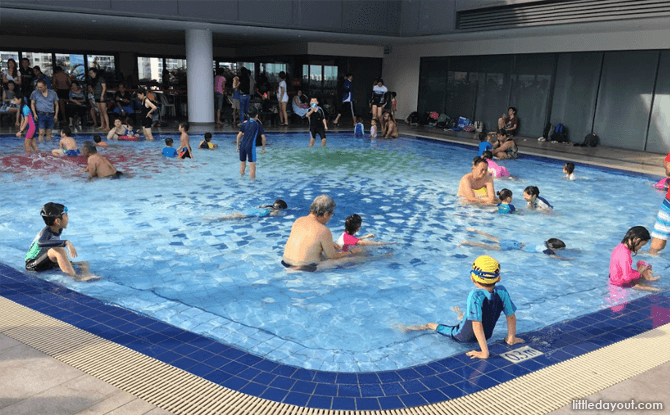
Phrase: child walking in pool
(184, 149)
(621, 272)
(27, 124)
(484, 306)
(351, 226)
(549, 248)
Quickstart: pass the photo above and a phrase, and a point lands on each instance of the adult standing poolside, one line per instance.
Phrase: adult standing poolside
(477, 186)
(62, 83)
(347, 100)
(219, 91)
(99, 92)
(659, 236)
(42, 102)
(310, 240)
(26, 75)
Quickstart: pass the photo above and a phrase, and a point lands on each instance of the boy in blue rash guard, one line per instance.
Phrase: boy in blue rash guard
(484, 306)
(48, 251)
(168, 150)
(249, 130)
(484, 145)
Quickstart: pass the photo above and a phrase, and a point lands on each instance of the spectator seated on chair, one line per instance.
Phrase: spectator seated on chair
(123, 101)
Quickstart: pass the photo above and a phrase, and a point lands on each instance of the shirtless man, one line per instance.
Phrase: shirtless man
(389, 126)
(478, 185)
(67, 145)
(98, 166)
(311, 240)
(120, 129)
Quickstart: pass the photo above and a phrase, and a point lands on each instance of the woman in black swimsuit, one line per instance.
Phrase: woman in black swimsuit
(147, 108)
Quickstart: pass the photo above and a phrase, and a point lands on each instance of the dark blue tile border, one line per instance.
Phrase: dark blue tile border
(233, 368)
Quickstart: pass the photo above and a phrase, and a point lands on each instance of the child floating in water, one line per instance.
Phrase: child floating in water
(207, 142)
(494, 169)
(549, 248)
(532, 195)
(484, 306)
(505, 205)
(98, 141)
(621, 272)
(275, 209)
(351, 226)
(569, 170)
(48, 251)
(67, 146)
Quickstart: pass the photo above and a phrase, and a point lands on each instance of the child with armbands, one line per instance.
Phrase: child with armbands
(549, 247)
(532, 195)
(505, 206)
(484, 306)
(621, 272)
(351, 226)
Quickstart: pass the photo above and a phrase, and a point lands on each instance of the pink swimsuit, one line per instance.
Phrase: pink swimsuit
(497, 171)
(663, 183)
(621, 271)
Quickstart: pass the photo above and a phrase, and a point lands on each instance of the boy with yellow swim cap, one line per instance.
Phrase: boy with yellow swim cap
(484, 306)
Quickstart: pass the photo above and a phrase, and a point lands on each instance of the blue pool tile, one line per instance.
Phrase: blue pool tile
(573, 350)
(371, 390)
(413, 399)
(388, 377)
(234, 368)
(217, 377)
(153, 350)
(201, 370)
(468, 387)
(168, 357)
(304, 374)
(282, 382)
(295, 398)
(217, 361)
(367, 404)
(349, 390)
(304, 387)
(451, 363)
(452, 392)
(558, 356)
(413, 386)
(284, 370)
(438, 368)
(184, 363)
(266, 365)
(264, 378)
(185, 349)
(364, 378)
(320, 402)
(531, 364)
(276, 395)
(344, 404)
(391, 389)
(326, 389)
(348, 378)
(408, 374)
(433, 382)
(433, 396)
(516, 370)
(232, 353)
(253, 389)
(325, 377)
(390, 402)
(216, 347)
(500, 375)
(425, 370)
(235, 383)
(200, 355)
(249, 374)
(249, 359)
(450, 377)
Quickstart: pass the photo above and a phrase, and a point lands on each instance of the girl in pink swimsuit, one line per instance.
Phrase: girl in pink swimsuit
(28, 122)
(494, 169)
(352, 225)
(621, 271)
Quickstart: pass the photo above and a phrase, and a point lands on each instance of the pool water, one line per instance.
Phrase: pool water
(151, 239)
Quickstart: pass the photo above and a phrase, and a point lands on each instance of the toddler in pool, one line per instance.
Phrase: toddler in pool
(495, 170)
(569, 170)
(505, 205)
(621, 272)
(532, 195)
(351, 226)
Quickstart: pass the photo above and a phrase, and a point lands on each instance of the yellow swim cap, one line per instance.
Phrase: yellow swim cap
(485, 270)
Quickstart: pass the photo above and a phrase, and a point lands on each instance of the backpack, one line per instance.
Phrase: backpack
(413, 118)
(560, 134)
(548, 130)
(424, 119)
(591, 140)
(443, 120)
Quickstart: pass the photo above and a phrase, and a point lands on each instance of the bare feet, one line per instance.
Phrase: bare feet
(406, 329)
(87, 278)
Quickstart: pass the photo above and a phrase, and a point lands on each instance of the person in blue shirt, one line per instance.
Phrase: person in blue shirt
(359, 130)
(505, 206)
(249, 130)
(484, 145)
(48, 251)
(168, 150)
(347, 100)
(549, 247)
(484, 306)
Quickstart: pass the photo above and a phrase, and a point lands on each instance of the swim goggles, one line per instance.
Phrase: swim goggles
(486, 275)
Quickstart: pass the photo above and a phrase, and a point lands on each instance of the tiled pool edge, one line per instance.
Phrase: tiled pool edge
(227, 366)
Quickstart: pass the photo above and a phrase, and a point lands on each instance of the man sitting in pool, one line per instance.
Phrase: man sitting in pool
(98, 166)
(477, 186)
(67, 145)
(310, 240)
(48, 251)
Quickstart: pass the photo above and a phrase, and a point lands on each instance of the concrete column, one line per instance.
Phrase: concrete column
(200, 77)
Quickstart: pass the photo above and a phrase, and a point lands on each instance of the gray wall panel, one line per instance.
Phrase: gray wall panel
(214, 10)
(272, 12)
(659, 129)
(531, 84)
(624, 99)
(409, 17)
(77, 5)
(313, 14)
(433, 86)
(575, 92)
(436, 16)
(372, 16)
(149, 7)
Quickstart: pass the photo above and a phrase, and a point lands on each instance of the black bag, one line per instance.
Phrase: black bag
(413, 118)
(548, 130)
(424, 119)
(560, 134)
(591, 140)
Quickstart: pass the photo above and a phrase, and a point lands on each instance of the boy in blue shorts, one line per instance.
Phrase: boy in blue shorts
(484, 306)
(48, 251)
(249, 130)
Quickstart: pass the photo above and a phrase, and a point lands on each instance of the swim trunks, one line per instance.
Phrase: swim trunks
(71, 153)
(509, 245)
(662, 225)
(116, 175)
(185, 154)
(307, 268)
(317, 129)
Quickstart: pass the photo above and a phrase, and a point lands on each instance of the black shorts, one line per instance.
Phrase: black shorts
(63, 94)
(41, 263)
(318, 129)
(116, 175)
(147, 122)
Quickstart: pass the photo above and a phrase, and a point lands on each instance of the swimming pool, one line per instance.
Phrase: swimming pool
(149, 238)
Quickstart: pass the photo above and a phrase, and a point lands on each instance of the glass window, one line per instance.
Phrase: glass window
(4, 56)
(43, 60)
(176, 68)
(150, 69)
(272, 70)
(315, 75)
(249, 65)
(72, 64)
(330, 77)
(305, 75)
(105, 64)
(228, 66)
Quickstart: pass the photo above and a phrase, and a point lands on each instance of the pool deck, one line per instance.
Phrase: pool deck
(34, 382)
